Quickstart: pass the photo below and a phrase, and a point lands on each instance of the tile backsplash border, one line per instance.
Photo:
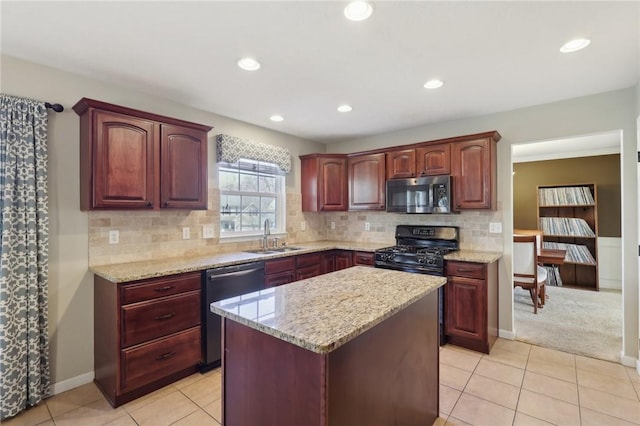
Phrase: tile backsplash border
(147, 235)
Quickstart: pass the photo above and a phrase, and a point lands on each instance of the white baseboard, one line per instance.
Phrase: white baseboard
(506, 334)
(71, 383)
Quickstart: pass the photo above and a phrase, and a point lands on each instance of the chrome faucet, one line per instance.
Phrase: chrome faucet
(267, 232)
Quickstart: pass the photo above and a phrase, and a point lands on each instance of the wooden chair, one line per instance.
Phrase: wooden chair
(526, 272)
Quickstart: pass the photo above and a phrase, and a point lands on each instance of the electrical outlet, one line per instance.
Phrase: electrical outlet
(303, 226)
(367, 226)
(186, 233)
(333, 225)
(495, 227)
(114, 237)
(208, 231)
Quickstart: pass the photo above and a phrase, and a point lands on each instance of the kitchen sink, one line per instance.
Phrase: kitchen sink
(274, 250)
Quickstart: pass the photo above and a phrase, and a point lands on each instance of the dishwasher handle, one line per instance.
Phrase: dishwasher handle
(226, 275)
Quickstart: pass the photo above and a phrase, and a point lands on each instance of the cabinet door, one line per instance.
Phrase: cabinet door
(474, 173)
(123, 162)
(363, 258)
(308, 272)
(344, 259)
(367, 182)
(183, 168)
(465, 309)
(433, 160)
(328, 262)
(279, 278)
(332, 184)
(401, 164)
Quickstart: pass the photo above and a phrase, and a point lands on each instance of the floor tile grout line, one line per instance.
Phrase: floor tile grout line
(198, 405)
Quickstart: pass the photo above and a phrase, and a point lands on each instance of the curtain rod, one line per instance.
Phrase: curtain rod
(55, 107)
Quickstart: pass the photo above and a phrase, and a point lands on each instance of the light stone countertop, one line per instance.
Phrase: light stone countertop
(325, 312)
(474, 256)
(133, 271)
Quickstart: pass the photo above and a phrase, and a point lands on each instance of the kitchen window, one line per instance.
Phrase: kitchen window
(251, 192)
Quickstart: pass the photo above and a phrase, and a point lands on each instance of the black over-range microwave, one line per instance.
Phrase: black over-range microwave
(430, 194)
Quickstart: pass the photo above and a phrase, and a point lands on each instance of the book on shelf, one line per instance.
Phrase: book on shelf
(553, 275)
(576, 253)
(566, 195)
(566, 226)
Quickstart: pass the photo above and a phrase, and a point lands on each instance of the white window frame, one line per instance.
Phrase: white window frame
(281, 206)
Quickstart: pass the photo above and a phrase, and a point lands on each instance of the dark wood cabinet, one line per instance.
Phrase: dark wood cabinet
(401, 164)
(473, 170)
(363, 258)
(433, 160)
(344, 259)
(366, 182)
(279, 271)
(328, 261)
(183, 165)
(132, 159)
(324, 182)
(148, 334)
(471, 298)
(308, 265)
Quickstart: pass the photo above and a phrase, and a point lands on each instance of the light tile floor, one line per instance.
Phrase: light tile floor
(517, 384)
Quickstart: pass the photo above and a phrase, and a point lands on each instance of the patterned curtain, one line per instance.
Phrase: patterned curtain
(232, 149)
(24, 221)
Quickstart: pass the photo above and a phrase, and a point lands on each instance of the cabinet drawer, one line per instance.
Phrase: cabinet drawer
(145, 363)
(307, 260)
(363, 258)
(279, 278)
(466, 269)
(148, 320)
(160, 287)
(280, 265)
(308, 272)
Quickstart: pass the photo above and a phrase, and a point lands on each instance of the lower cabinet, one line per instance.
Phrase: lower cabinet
(279, 271)
(147, 334)
(471, 297)
(308, 265)
(365, 258)
(344, 259)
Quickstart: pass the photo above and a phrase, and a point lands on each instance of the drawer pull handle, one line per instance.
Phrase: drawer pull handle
(165, 356)
(165, 316)
(163, 289)
(465, 270)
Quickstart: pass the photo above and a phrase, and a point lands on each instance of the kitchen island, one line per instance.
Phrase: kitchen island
(353, 347)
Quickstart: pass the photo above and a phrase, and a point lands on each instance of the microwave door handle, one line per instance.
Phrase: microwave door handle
(430, 205)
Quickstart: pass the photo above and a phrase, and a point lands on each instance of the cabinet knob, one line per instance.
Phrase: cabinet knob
(381, 206)
(149, 204)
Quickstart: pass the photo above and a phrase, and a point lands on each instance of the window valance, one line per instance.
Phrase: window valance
(231, 149)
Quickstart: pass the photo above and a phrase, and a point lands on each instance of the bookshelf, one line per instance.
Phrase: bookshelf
(568, 218)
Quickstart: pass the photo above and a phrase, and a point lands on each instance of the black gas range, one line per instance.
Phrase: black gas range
(421, 249)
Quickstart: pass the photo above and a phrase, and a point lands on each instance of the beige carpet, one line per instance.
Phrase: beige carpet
(580, 322)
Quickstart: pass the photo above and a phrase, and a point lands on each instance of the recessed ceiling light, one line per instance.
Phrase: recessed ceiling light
(575, 45)
(344, 108)
(433, 84)
(358, 10)
(276, 118)
(249, 64)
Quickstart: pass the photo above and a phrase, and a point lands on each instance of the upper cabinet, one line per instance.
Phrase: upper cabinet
(401, 164)
(132, 159)
(366, 182)
(473, 171)
(433, 160)
(324, 182)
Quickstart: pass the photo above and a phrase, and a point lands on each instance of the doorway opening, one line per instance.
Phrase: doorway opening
(583, 313)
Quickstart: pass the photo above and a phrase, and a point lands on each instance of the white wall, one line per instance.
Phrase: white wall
(609, 266)
(586, 115)
(70, 283)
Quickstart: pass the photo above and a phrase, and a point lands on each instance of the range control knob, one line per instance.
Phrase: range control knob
(431, 261)
(422, 259)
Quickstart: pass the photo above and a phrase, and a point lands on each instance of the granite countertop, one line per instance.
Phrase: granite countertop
(474, 256)
(133, 271)
(325, 312)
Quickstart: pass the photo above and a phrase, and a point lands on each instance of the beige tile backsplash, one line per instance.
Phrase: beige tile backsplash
(146, 235)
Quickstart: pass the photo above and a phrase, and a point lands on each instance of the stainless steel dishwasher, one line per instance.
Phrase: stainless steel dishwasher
(219, 284)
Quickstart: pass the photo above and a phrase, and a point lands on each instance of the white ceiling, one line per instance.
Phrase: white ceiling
(579, 146)
(493, 56)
